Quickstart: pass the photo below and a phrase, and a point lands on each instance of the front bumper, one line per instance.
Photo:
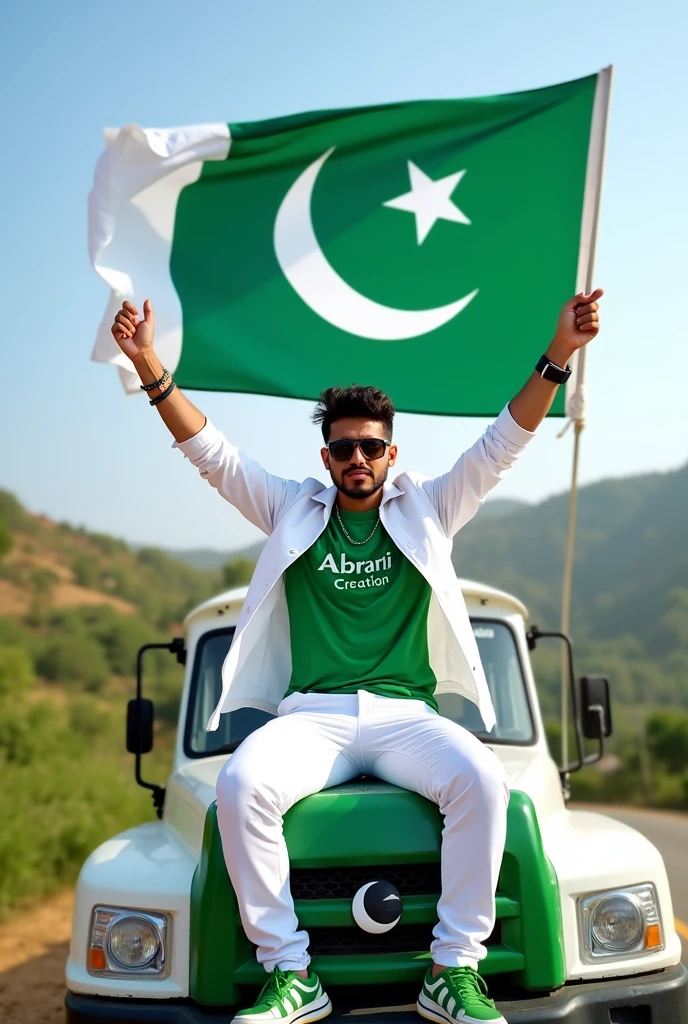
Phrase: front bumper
(657, 998)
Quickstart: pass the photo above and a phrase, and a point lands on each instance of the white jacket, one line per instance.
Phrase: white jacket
(420, 514)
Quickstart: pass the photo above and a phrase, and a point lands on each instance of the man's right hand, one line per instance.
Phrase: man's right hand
(134, 336)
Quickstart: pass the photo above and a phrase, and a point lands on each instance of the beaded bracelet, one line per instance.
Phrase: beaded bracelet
(159, 398)
(166, 375)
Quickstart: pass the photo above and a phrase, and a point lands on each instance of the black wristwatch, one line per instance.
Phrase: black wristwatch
(550, 371)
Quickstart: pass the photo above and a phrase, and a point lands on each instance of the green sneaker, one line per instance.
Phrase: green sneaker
(457, 994)
(286, 996)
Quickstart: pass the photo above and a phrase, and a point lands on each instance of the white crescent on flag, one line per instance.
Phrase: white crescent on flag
(313, 278)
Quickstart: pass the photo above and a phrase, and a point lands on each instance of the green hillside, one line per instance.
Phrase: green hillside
(630, 543)
(74, 609)
(630, 605)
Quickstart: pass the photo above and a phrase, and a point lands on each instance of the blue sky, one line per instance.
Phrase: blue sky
(76, 448)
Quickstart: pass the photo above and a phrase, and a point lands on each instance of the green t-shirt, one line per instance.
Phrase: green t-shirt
(358, 615)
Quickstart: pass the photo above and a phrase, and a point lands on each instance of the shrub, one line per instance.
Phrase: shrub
(667, 739)
(238, 572)
(121, 639)
(85, 571)
(163, 681)
(587, 785)
(88, 719)
(108, 545)
(16, 672)
(42, 581)
(74, 659)
(89, 619)
(669, 790)
(14, 515)
(14, 633)
(54, 812)
(33, 732)
(6, 539)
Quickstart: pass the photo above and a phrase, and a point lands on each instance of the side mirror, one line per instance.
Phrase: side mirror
(596, 714)
(140, 726)
(140, 719)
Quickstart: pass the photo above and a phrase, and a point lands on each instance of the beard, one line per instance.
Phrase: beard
(360, 488)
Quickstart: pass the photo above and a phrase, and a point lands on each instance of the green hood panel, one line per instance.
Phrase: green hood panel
(363, 824)
(349, 829)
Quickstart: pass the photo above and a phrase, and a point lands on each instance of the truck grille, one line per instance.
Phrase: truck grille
(344, 882)
(404, 938)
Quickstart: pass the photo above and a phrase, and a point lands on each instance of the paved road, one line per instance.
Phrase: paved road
(669, 833)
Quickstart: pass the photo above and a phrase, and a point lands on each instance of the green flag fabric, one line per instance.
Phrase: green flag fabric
(423, 247)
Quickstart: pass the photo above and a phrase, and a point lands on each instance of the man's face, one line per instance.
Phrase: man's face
(358, 477)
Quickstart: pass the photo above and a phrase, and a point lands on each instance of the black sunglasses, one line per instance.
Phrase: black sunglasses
(371, 448)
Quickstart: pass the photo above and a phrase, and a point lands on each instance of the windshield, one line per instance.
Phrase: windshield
(498, 653)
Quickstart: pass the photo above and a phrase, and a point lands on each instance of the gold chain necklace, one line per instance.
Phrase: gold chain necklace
(348, 536)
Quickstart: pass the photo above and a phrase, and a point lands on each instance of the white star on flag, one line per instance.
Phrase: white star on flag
(429, 200)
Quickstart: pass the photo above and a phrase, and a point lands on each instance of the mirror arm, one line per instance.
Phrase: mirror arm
(533, 635)
(175, 647)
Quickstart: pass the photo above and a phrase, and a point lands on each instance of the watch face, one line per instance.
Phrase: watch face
(556, 374)
(550, 371)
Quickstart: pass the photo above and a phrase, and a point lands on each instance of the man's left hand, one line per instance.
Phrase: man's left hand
(578, 321)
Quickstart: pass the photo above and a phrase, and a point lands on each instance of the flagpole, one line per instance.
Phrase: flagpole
(575, 396)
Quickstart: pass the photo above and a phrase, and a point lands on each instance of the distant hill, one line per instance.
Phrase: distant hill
(631, 554)
(498, 508)
(211, 558)
(59, 566)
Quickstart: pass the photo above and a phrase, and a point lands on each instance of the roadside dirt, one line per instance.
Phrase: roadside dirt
(33, 951)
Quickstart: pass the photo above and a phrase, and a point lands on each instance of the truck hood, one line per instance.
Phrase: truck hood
(190, 792)
(532, 771)
(191, 789)
(588, 852)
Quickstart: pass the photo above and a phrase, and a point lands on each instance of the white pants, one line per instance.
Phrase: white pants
(322, 740)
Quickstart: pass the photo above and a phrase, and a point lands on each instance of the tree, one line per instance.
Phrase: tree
(121, 639)
(237, 572)
(74, 659)
(14, 515)
(6, 539)
(16, 671)
(673, 624)
(667, 739)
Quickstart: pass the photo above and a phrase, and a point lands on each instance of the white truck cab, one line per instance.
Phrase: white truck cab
(584, 916)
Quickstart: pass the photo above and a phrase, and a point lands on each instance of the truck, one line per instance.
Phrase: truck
(584, 926)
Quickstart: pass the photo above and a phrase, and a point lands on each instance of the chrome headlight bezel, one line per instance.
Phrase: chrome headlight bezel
(101, 961)
(643, 899)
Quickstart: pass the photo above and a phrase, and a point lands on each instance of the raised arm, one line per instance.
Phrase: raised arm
(459, 493)
(258, 495)
(577, 325)
(135, 337)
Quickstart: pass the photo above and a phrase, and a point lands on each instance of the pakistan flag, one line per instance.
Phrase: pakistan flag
(423, 247)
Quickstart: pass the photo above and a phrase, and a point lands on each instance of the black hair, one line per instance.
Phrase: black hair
(360, 402)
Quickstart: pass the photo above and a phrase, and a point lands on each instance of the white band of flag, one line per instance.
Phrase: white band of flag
(131, 213)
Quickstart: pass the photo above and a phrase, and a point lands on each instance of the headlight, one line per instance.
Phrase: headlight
(133, 942)
(620, 923)
(128, 942)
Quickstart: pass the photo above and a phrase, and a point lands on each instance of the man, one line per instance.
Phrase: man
(353, 620)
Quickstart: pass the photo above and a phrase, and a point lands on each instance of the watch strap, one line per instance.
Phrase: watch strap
(550, 371)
